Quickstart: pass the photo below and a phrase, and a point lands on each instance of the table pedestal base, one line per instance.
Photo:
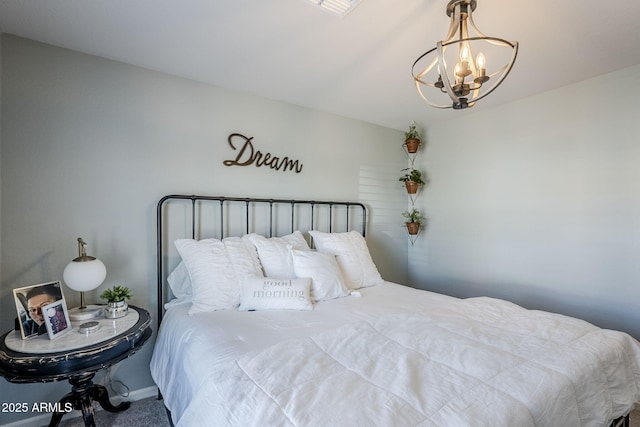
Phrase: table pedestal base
(83, 393)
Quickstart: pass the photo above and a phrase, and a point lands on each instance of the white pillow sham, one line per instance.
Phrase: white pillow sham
(274, 253)
(243, 255)
(179, 281)
(216, 270)
(352, 255)
(323, 270)
(265, 293)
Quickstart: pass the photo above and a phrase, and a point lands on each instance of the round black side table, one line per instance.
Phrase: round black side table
(76, 357)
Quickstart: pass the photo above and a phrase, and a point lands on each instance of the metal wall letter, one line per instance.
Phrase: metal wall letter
(247, 156)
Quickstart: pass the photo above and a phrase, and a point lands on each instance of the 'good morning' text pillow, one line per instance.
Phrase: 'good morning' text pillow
(264, 293)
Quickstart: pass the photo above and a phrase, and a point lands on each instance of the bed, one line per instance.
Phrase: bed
(272, 312)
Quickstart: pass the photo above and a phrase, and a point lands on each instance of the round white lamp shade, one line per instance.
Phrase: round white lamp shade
(84, 276)
(84, 273)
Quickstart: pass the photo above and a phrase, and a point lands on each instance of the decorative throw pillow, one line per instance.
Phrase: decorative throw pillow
(352, 255)
(274, 253)
(212, 282)
(216, 270)
(326, 279)
(179, 281)
(264, 293)
(243, 256)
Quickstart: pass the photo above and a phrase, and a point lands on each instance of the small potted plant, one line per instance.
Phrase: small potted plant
(414, 220)
(412, 180)
(116, 301)
(412, 138)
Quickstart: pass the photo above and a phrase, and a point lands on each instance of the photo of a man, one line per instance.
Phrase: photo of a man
(29, 302)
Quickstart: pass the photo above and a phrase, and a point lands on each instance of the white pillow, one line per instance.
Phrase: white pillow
(179, 281)
(212, 281)
(352, 255)
(264, 293)
(274, 253)
(216, 269)
(326, 279)
(243, 256)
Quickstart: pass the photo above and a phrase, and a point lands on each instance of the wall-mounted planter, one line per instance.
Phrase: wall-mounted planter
(413, 180)
(413, 228)
(412, 145)
(412, 187)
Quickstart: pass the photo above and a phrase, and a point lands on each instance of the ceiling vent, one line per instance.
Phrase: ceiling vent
(338, 7)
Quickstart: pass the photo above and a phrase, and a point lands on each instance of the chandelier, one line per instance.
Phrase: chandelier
(446, 77)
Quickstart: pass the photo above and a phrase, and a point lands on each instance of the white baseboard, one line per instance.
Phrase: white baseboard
(43, 420)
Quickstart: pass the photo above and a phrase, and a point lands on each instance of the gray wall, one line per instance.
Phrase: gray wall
(538, 202)
(89, 145)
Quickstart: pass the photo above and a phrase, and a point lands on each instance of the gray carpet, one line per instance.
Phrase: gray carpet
(151, 412)
(145, 412)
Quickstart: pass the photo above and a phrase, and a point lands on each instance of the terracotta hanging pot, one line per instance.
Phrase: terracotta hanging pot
(413, 228)
(412, 145)
(412, 187)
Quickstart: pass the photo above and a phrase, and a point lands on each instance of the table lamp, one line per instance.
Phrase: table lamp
(82, 274)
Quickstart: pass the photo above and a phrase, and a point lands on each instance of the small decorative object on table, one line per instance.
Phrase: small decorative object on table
(30, 301)
(116, 301)
(56, 318)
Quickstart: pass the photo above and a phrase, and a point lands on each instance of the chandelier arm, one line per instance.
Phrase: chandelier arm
(418, 81)
(499, 70)
(447, 82)
(496, 41)
(418, 77)
(493, 40)
(506, 73)
(426, 70)
(475, 91)
(463, 33)
(455, 23)
(473, 24)
(425, 99)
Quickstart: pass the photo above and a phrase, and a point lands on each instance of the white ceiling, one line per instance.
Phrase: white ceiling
(357, 66)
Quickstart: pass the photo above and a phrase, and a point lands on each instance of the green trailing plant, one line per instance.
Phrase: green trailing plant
(116, 294)
(413, 216)
(412, 133)
(412, 175)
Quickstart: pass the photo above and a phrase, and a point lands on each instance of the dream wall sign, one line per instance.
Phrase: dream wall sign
(248, 155)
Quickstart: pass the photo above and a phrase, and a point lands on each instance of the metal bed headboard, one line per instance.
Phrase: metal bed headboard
(332, 213)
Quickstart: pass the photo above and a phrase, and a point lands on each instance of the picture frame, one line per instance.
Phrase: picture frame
(56, 318)
(29, 301)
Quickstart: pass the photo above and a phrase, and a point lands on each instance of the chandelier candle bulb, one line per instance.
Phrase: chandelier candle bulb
(464, 61)
(464, 53)
(459, 73)
(482, 63)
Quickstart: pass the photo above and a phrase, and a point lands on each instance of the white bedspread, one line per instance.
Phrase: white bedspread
(395, 356)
